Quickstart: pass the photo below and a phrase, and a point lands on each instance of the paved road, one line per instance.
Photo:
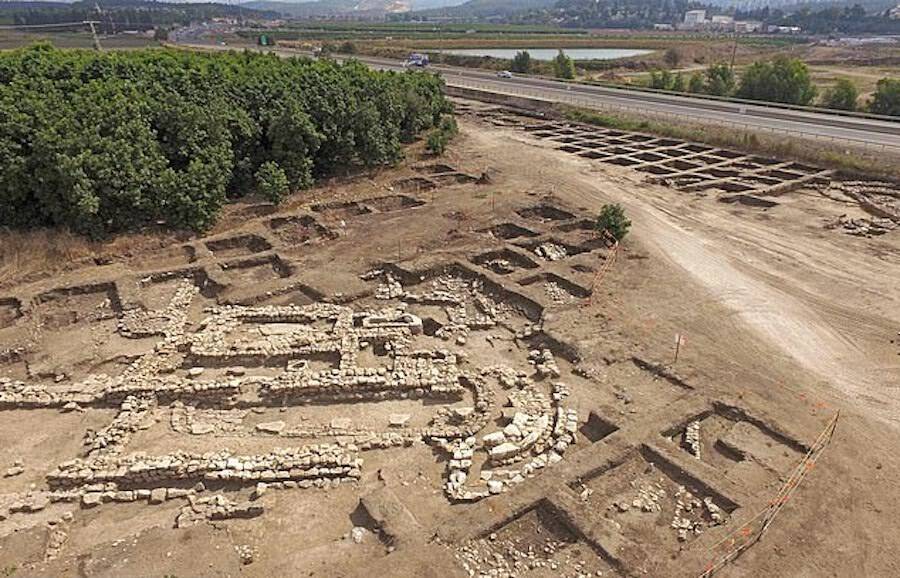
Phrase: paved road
(822, 126)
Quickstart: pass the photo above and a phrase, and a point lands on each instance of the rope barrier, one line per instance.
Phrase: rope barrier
(752, 531)
(605, 268)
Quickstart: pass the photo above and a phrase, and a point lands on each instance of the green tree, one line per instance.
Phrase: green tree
(272, 182)
(782, 79)
(720, 80)
(612, 219)
(521, 63)
(677, 83)
(660, 79)
(696, 84)
(563, 66)
(886, 99)
(842, 96)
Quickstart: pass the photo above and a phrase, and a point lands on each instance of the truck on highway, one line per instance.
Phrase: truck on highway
(416, 60)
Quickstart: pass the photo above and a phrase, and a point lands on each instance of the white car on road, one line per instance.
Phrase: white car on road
(504, 74)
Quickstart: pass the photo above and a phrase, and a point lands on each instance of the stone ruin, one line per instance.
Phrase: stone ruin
(319, 346)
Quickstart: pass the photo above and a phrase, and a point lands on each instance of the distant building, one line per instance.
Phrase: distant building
(747, 26)
(663, 27)
(722, 20)
(694, 18)
(773, 29)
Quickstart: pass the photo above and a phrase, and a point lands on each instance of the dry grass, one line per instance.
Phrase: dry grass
(29, 254)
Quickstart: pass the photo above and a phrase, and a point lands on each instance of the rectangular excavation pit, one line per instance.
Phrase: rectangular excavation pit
(731, 187)
(801, 168)
(545, 134)
(455, 178)
(597, 428)
(545, 213)
(743, 448)
(551, 249)
(258, 269)
(682, 165)
(726, 154)
(509, 231)
(434, 169)
(558, 289)
(208, 287)
(644, 495)
(673, 153)
(10, 311)
(413, 185)
(749, 201)
(617, 150)
(640, 137)
(238, 246)
(782, 174)
(392, 203)
(593, 155)
(697, 148)
(649, 157)
(59, 308)
(298, 229)
(522, 305)
(764, 161)
(622, 161)
(537, 542)
(760, 180)
(744, 165)
(342, 209)
(566, 139)
(503, 261)
(570, 149)
(656, 170)
(721, 173)
(709, 160)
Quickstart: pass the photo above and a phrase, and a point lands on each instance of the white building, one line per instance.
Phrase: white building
(695, 18)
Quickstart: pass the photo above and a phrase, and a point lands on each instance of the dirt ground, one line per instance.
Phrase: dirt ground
(784, 323)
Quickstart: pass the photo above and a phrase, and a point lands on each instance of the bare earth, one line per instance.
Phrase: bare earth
(414, 373)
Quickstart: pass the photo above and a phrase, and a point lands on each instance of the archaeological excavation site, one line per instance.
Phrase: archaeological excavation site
(446, 369)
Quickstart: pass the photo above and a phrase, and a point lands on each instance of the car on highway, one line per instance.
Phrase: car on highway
(504, 74)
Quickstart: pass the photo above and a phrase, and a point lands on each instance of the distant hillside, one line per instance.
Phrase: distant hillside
(486, 8)
(117, 15)
(325, 8)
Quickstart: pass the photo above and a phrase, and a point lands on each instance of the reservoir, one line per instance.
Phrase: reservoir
(550, 53)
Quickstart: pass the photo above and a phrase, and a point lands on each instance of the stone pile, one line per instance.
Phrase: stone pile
(863, 227)
(692, 438)
(544, 362)
(215, 507)
(551, 251)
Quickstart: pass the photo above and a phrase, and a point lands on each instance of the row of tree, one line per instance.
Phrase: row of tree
(103, 142)
(783, 80)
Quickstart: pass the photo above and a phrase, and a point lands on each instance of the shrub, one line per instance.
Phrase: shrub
(612, 219)
(719, 80)
(782, 79)
(886, 99)
(440, 137)
(521, 63)
(842, 96)
(563, 66)
(272, 182)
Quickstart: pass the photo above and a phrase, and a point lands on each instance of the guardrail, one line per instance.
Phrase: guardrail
(587, 101)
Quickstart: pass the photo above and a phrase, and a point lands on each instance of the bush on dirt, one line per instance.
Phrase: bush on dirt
(272, 182)
(440, 137)
(612, 220)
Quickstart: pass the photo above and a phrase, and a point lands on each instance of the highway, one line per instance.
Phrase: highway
(821, 126)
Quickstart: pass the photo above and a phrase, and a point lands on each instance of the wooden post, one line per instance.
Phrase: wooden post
(678, 341)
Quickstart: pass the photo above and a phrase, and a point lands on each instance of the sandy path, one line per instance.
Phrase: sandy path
(821, 304)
